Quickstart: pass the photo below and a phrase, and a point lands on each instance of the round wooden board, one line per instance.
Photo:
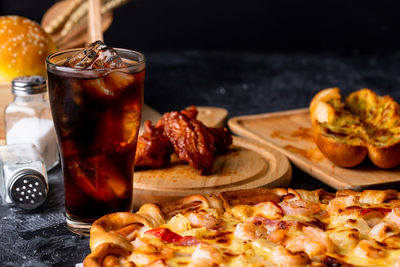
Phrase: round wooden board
(247, 165)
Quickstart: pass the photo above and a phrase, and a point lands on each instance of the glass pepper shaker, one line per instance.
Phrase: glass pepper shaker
(28, 118)
(23, 177)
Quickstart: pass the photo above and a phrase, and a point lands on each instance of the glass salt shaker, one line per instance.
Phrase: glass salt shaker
(23, 178)
(28, 118)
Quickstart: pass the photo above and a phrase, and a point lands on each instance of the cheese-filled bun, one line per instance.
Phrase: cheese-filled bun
(24, 46)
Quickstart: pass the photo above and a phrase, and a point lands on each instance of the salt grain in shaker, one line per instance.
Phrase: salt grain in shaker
(28, 118)
(23, 177)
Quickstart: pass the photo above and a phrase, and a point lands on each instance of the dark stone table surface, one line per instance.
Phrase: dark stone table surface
(243, 82)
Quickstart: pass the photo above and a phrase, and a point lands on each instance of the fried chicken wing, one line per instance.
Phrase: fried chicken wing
(190, 112)
(153, 148)
(222, 137)
(192, 141)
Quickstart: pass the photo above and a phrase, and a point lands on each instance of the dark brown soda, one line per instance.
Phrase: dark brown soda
(97, 122)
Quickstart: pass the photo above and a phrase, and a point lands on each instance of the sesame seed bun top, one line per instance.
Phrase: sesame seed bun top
(24, 46)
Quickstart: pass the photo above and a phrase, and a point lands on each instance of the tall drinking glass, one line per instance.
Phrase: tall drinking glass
(96, 115)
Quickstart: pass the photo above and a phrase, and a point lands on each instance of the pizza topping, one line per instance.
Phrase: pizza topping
(273, 225)
(340, 203)
(164, 234)
(242, 212)
(157, 263)
(249, 231)
(206, 255)
(299, 207)
(393, 202)
(373, 216)
(377, 196)
(150, 253)
(394, 216)
(269, 209)
(179, 223)
(314, 242)
(317, 223)
(322, 214)
(360, 224)
(207, 218)
(370, 249)
(284, 257)
(333, 262)
(138, 242)
(392, 243)
(307, 245)
(375, 211)
(277, 236)
(345, 238)
(382, 230)
(320, 236)
(216, 235)
(316, 196)
(187, 241)
(350, 210)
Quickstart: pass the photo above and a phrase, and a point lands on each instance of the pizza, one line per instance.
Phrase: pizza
(258, 227)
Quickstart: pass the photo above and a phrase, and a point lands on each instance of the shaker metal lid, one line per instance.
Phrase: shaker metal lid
(27, 85)
(28, 189)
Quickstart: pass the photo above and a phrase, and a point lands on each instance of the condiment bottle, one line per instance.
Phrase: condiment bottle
(23, 178)
(28, 118)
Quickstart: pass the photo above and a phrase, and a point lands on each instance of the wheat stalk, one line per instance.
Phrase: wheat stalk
(75, 17)
(112, 4)
(80, 13)
(60, 20)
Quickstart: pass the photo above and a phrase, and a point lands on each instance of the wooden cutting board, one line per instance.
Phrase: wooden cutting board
(248, 164)
(290, 133)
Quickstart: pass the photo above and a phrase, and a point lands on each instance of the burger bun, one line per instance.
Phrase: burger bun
(24, 46)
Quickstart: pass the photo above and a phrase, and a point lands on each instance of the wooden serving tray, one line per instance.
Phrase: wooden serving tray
(248, 164)
(290, 133)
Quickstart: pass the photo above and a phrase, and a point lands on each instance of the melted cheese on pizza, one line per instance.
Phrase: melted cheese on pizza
(357, 230)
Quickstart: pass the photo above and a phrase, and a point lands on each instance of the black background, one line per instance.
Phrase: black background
(254, 24)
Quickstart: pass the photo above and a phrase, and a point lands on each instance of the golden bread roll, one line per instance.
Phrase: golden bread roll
(364, 123)
(24, 46)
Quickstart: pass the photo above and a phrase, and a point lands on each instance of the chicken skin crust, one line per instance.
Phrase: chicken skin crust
(153, 148)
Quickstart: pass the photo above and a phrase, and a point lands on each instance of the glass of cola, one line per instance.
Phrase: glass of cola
(96, 97)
